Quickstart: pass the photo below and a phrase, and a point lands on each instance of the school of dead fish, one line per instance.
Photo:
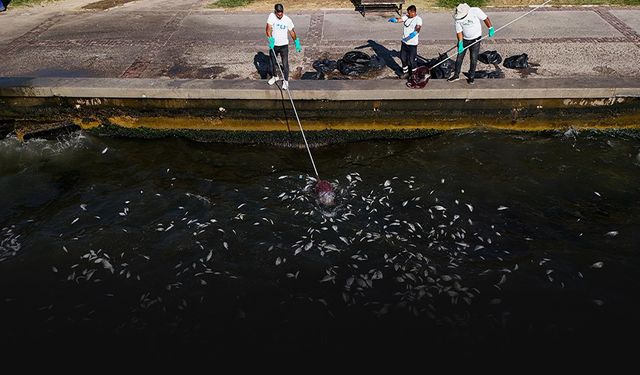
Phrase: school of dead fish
(419, 250)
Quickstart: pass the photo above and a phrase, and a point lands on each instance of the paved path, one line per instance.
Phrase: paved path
(183, 39)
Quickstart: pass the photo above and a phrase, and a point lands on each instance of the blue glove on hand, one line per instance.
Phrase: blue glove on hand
(298, 47)
(460, 47)
(492, 32)
(392, 19)
(409, 37)
(272, 42)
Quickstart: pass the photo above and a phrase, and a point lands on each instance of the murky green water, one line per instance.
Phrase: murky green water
(462, 243)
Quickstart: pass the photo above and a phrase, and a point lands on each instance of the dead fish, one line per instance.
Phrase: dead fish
(597, 265)
(105, 150)
(613, 233)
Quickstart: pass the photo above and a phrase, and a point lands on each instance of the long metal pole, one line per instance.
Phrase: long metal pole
(498, 29)
(297, 118)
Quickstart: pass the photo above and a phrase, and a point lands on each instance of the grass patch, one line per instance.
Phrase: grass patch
(17, 3)
(229, 3)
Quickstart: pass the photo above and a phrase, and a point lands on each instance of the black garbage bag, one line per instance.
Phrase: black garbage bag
(495, 74)
(517, 62)
(490, 57)
(419, 78)
(377, 63)
(325, 65)
(443, 70)
(312, 76)
(487, 74)
(354, 63)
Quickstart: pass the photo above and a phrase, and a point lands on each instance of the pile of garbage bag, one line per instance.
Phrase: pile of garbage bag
(353, 64)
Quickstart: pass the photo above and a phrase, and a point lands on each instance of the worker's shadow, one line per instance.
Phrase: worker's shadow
(385, 54)
(262, 64)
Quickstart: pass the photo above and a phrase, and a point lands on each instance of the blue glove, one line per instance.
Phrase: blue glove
(392, 19)
(492, 32)
(272, 42)
(410, 36)
(460, 47)
(298, 47)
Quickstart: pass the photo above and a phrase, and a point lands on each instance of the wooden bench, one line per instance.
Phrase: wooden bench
(380, 4)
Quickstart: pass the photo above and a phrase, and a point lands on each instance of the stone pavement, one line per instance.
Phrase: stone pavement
(183, 39)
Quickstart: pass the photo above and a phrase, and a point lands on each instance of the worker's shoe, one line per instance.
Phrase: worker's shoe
(285, 85)
(453, 78)
(273, 80)
(471, 81)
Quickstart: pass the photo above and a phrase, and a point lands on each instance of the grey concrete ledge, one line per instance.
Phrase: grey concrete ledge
(330, 90)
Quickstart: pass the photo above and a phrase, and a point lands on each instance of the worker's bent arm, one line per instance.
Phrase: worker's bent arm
(418, 28)
(487, 22)
(292, 32)
(269, 30)
(459, 35)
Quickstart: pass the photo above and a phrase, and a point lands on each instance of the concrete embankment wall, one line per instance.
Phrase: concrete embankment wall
(252, 111)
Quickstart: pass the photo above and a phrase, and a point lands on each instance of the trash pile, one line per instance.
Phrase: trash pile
(357, 63)
(352, 64)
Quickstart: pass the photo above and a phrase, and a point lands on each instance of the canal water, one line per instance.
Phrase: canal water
(462, 244)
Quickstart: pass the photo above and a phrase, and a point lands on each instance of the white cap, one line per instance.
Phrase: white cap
(461, 11)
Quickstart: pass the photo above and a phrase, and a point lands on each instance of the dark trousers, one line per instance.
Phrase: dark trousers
(408, 56)
(474, 50)
(283, 51)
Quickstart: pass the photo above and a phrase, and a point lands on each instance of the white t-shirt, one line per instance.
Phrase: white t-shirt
(280, 27)
(409, 27)
(471, 26)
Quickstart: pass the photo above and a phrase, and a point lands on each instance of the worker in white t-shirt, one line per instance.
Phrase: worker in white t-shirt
(409, 49)
(469, 31)
(279, 27)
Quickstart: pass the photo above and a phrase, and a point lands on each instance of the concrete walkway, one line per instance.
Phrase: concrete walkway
(183, 39)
